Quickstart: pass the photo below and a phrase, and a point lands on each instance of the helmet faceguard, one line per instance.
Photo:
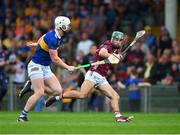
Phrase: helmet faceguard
(63, 23)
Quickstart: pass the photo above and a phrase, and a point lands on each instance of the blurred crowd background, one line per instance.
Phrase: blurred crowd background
(154, 59)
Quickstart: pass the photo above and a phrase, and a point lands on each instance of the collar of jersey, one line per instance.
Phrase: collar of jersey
(57, 34)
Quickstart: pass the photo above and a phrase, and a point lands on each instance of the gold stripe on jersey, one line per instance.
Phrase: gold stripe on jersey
(43, 45)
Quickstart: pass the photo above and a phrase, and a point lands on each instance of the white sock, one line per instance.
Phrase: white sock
(57, 97)
(32, 88)
(117, 114)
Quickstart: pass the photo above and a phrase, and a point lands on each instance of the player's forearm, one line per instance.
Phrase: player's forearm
(104, 53)
(59, 62)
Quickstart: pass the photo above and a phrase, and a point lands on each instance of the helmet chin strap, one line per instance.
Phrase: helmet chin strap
(65, 32)
(62, 29)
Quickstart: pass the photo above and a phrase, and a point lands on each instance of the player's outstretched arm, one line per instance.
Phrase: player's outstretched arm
(59, 61)
(31, 44)
(105, 54)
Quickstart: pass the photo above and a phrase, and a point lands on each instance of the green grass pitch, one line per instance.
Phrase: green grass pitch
(89, 123)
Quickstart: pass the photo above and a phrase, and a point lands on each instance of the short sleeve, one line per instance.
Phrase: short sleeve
(52, 44)
(105, 46)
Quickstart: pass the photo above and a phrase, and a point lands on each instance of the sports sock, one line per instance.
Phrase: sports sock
(117, 114)
(57, 98)
(24, 113)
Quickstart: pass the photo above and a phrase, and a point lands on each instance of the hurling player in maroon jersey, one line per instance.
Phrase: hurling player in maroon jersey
(96, 77)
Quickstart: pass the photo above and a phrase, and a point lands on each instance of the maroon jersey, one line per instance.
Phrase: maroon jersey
(103, 69)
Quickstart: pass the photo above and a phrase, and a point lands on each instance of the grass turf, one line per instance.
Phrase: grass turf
(89, 123)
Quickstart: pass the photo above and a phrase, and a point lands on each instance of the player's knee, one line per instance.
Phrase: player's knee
(115, 97)
(118, 97)
(39, 93)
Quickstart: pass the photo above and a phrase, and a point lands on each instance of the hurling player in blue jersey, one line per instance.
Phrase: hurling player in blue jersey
(39, 67)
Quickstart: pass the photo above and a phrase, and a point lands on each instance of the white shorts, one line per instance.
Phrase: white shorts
(38, 71)
(96, 78)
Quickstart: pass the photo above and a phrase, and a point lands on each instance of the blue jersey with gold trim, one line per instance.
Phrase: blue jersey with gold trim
(48, 41)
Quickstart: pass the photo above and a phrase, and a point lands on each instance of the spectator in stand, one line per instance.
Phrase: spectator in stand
(9, 42)
(150, 40)
(175, 59)
(175, 72)
(132, 84)
(175, 56)
(144, 48)
(84, 45)
(163, 66)
(22, 50)
(165, 41)
(20, 75)
(150, 69)
(136, 57)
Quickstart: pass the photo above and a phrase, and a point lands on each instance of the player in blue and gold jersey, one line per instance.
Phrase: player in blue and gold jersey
(39, 67)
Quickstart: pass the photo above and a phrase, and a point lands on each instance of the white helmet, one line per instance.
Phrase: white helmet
(63, 23)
